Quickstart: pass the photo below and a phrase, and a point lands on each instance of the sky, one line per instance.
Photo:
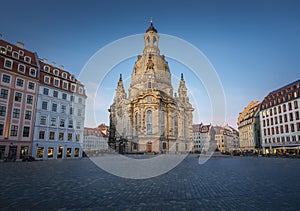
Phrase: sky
(252, 45)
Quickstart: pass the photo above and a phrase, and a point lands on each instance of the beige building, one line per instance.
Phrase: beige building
(151, 118)
(248, 125)
(227, 138)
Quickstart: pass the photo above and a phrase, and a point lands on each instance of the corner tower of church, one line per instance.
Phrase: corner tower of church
(151, 118)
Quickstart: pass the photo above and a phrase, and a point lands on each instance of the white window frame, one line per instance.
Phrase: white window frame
(46, 66)
(19, 65)
(29, 59)
(33, 85)
(12, 63)
(64, 75)
(17, 82)
(34, 75)
(56, 79)
(56, 72)
(45, 80)
(65, 82)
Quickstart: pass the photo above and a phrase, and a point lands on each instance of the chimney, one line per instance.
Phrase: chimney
(53, 64)
(61, 67)
(45, 60)
(20, 44)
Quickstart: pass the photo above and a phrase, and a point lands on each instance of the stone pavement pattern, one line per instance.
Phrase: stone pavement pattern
(239, 183)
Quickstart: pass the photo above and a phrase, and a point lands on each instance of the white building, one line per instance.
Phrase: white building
(279, 120)
(204, 138)
(94, 141)
(60, 112)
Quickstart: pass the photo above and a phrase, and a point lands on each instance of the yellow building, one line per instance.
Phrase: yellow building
(151, 118)
(248, 125)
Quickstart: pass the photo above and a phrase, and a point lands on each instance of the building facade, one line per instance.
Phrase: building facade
(279, 120)
(204, 138)
(227, 138)
(59, 122)
(95, 141)
(249, 128)
(151, 118)
(18, 87)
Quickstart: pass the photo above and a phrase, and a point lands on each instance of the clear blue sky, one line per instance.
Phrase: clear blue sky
(253, 45)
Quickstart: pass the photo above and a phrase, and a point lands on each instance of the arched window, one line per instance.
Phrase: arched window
(136, 124)
(154, 41)
(149, 122)
(176, 125)
(149, 85)
(148, 41)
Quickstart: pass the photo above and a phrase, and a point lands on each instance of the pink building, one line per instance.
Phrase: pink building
(18, 91)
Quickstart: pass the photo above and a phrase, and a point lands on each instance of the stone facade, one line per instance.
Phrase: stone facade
(204, 138)
(151, 118)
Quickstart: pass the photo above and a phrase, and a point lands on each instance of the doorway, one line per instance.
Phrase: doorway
(12, 153)
(149, 147)
(60, 152)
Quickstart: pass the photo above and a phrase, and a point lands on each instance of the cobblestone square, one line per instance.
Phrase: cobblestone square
(233, 183)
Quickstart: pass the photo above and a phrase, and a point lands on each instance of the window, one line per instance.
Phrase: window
(77, 137)
(2, 50)
(50, 152)
(73, 87)
(56, 72)
(8, 63)
(79, 100)
(162, 123)
(64, 96)
(56, 82)
(64, 75)
(61, 136)
(291, 117)
(55, 94)
(72, 98)
(16, 113)
(29, 99)
(6, 78)
(1, 129)
(21, 68)
(65, 85)
(46, 69)
(28, 114)
(298, 126)
(2, 110)
(27, 59)
(297, 115)
(78, 125)
(21, 53)
(80, 90)
(149, 122)
(20, 82)
(281, 129)
(286, 128)
(51, 135)
(63, 109)
(149, 85)
(176, 125)
(46, 91)
(70, 125)
(42, 134)
(32, 72)
(290, 106)
(295, 104)
(284, 108)
(14, 130)
(70, 136)
(43, 120)
(76, 153)
(285, 118)
(15, 55)
(279, 109)
(280, 119)
(31, 85)
(47, 80)
(292, 128)
(79, 112)
(26, 131)
(53, 122)
(44, 105)
(4, 94)
(54, 107)
(62, 123)
(18, 97)
(40, 152)
(71, 111)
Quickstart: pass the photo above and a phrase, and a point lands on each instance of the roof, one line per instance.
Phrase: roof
(151, 28)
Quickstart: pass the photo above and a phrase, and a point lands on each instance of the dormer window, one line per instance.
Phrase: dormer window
(2, 50)
(46, 69)
(21, 53)
(64, 75)
(73, 87)
(55, 72)
(15, 55)
(9, 48)
(27, 59)
(80, 90)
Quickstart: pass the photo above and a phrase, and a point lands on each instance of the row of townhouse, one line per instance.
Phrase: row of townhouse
(42, 107)
(273, 126)
(208, 138)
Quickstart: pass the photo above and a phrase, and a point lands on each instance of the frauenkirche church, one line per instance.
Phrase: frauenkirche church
(151, 118)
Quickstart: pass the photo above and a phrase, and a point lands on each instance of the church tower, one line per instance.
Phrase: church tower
(151, 119)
